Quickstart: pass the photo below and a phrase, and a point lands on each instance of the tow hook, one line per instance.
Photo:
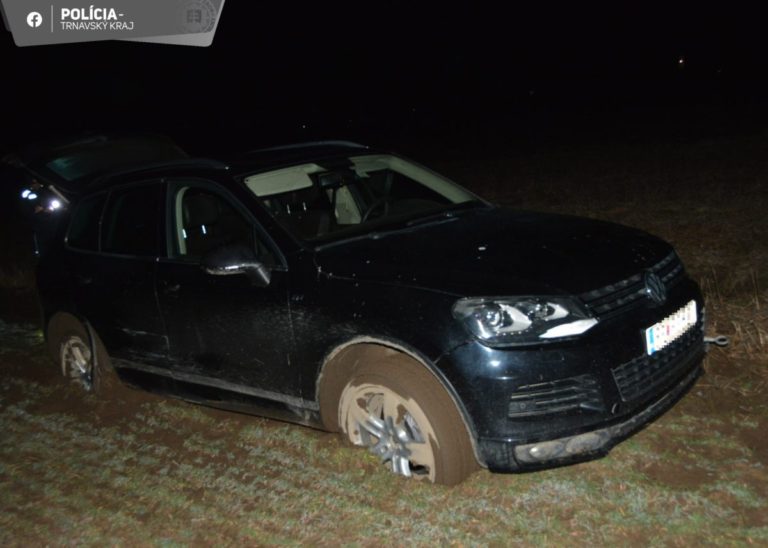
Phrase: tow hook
(719, 340)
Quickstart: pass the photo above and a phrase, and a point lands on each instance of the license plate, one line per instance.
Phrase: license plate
(670, 328)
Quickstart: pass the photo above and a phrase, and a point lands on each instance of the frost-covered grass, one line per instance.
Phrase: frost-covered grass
(160, 473)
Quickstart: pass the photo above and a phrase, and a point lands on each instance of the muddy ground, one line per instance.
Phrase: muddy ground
(137, 469)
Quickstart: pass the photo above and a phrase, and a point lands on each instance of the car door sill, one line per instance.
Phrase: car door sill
(290, 401)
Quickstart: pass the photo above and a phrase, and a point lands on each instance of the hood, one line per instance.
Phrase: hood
(492, 252)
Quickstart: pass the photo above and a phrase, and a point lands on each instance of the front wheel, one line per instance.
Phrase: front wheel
(402, 414)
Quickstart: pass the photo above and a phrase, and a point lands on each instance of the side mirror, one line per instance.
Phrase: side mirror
(236, 259)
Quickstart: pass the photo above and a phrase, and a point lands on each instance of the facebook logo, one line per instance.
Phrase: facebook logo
(34, 19)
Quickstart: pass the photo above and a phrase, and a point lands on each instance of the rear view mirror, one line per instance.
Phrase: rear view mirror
(236, 259)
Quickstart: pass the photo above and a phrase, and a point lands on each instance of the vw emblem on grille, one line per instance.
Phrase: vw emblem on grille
(654, 287)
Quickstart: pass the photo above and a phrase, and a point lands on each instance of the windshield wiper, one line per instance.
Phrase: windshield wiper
(448, 215)
(444, 215)
(393, 229)
(435, 217)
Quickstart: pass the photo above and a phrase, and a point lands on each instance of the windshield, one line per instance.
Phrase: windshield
(354, 195)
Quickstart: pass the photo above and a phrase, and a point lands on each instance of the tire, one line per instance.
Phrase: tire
(401, 413)
(69, 346)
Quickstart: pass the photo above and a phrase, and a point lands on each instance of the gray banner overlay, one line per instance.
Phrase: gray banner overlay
(5, 20)
(41, 22)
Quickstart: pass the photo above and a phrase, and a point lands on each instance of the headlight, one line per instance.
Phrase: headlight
(506, 321)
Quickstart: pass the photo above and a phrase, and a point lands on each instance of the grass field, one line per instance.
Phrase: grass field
(142, 470)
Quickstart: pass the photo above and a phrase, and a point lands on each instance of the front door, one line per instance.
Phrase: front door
(223, 331)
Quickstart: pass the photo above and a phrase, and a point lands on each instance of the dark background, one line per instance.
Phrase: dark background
(407, 76)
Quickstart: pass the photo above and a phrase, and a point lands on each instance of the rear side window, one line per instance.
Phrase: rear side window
(132, 221)
(84, 228)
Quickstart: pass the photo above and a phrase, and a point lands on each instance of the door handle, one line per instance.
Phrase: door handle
(83, 280)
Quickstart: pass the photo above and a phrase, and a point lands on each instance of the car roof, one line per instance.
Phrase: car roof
(286, 155)
(263, 159)
(160, 169)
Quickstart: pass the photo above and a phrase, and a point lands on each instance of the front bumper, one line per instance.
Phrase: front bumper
(502, 456)
(553, 404)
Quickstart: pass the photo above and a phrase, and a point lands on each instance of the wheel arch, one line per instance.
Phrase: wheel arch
(340, 364)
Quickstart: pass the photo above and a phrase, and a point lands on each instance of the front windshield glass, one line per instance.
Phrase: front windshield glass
(355, 195)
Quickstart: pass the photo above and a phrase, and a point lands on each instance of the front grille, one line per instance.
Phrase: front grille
(642, 375)
(558, 396)
(627, 294)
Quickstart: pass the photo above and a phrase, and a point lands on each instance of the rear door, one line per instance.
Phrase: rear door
(115, 287)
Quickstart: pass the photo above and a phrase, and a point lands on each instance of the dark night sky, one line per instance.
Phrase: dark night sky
(389, 71)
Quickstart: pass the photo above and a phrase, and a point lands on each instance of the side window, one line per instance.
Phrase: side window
(84, 228)
(132, 221)
(204, 220)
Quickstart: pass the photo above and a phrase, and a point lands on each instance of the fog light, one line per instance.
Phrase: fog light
(545, 450)
(539, 452)
(584, 443)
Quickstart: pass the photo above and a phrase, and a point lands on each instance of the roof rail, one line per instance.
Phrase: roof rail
(335, 143)
(208, 163)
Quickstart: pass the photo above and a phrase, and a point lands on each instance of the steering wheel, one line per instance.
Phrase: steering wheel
(381, 203)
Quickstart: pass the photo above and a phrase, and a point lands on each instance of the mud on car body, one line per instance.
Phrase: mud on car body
(350, 289)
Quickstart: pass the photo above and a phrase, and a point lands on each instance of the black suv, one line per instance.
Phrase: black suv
(353, 290)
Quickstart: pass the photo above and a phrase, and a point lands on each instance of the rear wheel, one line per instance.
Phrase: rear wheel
(401, 413)
(70, 347)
